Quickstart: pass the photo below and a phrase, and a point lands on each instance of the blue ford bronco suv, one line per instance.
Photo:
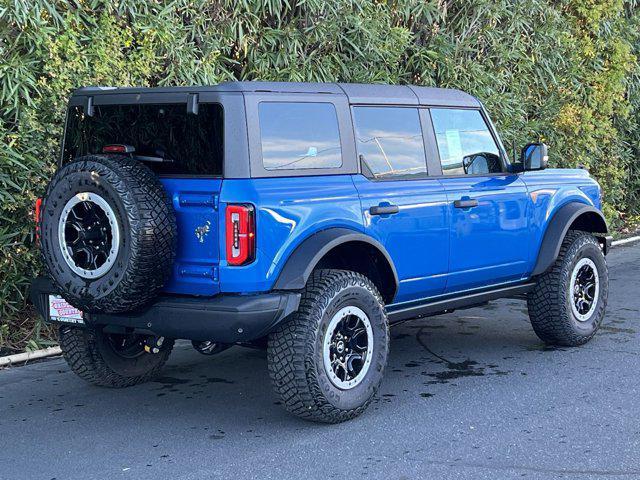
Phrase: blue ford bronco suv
(306, 218)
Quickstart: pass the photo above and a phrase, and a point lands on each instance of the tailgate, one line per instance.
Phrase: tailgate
(195, 201)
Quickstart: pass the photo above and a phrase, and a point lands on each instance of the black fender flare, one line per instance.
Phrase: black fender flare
(305, 257)
(558, 227)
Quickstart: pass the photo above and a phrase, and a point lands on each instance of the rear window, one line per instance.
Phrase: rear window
(297, 136)
(172, 141)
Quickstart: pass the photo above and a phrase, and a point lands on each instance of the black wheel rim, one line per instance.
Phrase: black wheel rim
(585, 286)
(348, 347)
(89, 235)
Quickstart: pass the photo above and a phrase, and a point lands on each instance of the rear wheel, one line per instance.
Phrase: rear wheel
(327, 361)
(568, 304)
(112, 360)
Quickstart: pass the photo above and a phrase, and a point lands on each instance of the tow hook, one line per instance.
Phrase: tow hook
(153, 344)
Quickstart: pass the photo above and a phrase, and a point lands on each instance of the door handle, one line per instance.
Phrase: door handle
(466, 203)
(384, 209)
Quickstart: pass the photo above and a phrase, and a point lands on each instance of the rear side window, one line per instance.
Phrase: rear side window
(167, 138)
(296, 136)
(390, 143)
(465, 143)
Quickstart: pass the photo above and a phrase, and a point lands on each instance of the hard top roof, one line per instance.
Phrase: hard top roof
(356, 93)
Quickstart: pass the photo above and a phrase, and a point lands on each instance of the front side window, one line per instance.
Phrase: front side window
(465, 142)
(297, 136)
(390, 143)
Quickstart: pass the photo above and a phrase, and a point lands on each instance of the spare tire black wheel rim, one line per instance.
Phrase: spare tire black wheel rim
(348, 347)
(89, 235)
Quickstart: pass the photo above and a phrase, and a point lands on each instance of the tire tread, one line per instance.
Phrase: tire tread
(151, 242)
(291, 348)
(546, 303)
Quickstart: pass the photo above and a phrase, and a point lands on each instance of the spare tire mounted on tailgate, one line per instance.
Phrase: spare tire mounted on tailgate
(108, 233)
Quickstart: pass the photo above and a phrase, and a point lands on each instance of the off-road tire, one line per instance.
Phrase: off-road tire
(295, 357)
(91, 357)
(146, 220)
(549, 304)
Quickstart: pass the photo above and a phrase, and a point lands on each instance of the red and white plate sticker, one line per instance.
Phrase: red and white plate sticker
(61, 311)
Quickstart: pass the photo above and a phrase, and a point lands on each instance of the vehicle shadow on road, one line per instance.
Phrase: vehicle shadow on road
(432, 359)
(428, 357)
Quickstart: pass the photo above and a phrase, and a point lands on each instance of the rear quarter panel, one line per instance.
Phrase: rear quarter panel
(550, 190)
(288, 210)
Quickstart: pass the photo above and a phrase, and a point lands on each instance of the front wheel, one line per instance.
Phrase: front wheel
(112, 360)
(568, 303)
(327, 361)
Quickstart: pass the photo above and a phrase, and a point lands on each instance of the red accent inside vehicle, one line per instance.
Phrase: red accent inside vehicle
(36, 216)
(117, 148)
(240, 229)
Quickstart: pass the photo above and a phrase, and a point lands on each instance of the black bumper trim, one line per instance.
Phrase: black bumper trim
(437, 306)
(608, 242)
(225, 318)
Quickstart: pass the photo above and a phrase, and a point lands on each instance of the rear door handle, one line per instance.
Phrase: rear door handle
(466, 203)
(384, 209)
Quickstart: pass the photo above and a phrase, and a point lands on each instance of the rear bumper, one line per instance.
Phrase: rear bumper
(224, 318)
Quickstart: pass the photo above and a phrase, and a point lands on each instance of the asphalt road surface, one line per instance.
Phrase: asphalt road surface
(473, 394)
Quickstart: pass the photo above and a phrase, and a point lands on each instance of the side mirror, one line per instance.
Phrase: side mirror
(534, 156)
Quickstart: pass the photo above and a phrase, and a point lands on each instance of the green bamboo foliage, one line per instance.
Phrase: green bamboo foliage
(563, 71)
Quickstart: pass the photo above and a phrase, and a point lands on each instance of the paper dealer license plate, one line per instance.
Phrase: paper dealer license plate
(61, 311)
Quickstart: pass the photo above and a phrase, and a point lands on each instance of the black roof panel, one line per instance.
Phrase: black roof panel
(287, 87)
(356, 93)
(444, 97)
(379, 94)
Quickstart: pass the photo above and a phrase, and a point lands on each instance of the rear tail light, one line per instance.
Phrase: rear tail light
(240, 228)
(36, 216)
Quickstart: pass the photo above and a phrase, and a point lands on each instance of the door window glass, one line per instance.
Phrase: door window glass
(465, 143)
(298, 136)
(390, 141)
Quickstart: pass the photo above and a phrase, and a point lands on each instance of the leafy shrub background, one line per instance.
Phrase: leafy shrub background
(563, 71)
